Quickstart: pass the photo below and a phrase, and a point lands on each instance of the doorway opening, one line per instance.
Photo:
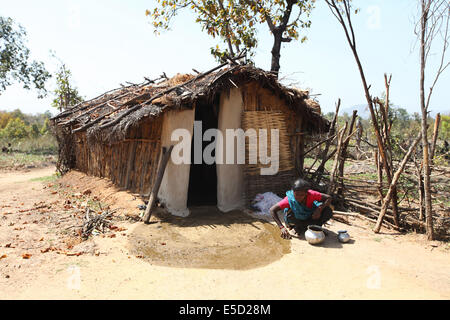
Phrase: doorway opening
(203, 177)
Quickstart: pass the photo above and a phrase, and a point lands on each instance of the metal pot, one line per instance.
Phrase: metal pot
(314, 235)
(343, 236)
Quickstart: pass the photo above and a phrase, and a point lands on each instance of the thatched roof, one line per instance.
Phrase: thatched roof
(110, 115)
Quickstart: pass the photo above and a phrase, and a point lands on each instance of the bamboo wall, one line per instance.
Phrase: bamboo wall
(262, 109)
(130, 164)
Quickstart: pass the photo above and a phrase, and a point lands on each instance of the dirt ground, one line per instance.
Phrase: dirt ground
(209, 255)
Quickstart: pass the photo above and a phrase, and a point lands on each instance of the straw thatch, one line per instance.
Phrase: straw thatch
(109, 116)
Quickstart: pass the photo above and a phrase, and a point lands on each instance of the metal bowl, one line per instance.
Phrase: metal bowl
(343, 236)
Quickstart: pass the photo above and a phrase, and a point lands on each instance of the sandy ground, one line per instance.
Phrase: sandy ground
(209, 255)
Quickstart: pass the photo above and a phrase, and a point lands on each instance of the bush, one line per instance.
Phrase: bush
(15, 129)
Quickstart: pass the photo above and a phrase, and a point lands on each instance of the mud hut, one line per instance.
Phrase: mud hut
(120, 134)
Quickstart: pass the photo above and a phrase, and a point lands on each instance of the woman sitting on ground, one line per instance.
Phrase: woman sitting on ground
(302, 207)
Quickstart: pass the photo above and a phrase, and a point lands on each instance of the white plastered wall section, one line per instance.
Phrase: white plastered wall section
(173, 192)
(230, 177)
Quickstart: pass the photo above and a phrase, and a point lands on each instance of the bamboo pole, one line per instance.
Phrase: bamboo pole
(435, 135)
(395, 179)
(344, 152)
(318, 173)
(336, 159)
(343, 213)
(318, 144)
(153, 195)
(130, 163)
(379, 176)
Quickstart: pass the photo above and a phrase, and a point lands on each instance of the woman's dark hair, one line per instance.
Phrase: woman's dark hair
(301, 185)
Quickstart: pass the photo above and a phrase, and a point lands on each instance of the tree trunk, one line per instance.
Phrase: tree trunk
(278, 35)
(276, 49)
(381, 147)
(421, 196)
(424, 125)
(227, 30)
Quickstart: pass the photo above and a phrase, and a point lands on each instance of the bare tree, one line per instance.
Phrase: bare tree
(342, 10)
(282, 29)
(433, 22)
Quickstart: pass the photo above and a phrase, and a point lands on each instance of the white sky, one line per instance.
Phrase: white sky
(105, 43)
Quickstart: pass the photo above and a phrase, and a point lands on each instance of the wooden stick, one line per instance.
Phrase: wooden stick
(397, 174)
(388, 225)
(137, 140)
(321, 167)
(342, 213)
(86, 105)
(309, 169)
(435, 135)
(336, 159)
(343, 156)
(379, 175)
(319, 144)
(374, 206)
(154, 194)
(371, 182)
(363, 207)
(373, 215)
(319, 172)
(100, 105)
(90, 124)
(361, 216)
(130, 164)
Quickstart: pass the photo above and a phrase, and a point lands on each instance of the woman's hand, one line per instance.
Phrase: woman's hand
(285, 234)
(317, 213)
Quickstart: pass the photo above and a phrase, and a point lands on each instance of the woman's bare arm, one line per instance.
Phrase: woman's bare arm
(284, 232)
(326, 201)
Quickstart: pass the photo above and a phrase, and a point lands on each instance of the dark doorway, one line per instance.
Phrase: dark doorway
(203, 177)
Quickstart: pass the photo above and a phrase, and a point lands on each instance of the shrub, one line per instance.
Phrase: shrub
(15, 129)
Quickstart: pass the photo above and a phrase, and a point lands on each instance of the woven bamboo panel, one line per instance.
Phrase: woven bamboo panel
(278, 184)
(268, 120)
(255, 182)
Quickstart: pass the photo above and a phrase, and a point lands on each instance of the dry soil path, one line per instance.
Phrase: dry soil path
(385, 266)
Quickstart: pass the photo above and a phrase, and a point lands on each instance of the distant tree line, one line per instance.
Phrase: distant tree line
(16, 125)
(405, 127)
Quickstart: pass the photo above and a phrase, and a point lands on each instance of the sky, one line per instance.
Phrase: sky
(107, 43)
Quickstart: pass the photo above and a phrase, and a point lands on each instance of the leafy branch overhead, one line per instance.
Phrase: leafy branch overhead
(15, 63)
(66, 95)
(235, 21)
